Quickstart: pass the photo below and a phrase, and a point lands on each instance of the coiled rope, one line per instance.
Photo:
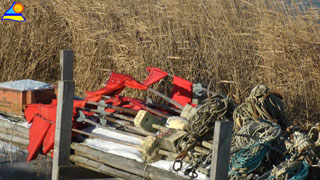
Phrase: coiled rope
(299, 143)
(262, 103)
(257, 132)
(290, 170)
(248, 159)
(200, 127)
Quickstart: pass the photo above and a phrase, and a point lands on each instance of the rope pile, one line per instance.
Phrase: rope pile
(255, 129)
(291, 170)
(200, 128)
(262, 103)
(299, 143)
(260, 133)
(258, 124)
(214, 109)
(248, 159)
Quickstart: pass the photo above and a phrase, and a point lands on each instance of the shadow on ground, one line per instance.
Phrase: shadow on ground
(14, 166)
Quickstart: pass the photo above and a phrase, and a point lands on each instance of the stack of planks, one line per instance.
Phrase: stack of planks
(117, 166)
(13, 133)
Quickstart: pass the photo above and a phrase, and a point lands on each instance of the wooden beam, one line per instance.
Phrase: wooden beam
(13, 132)
(111, 129)
(21, 146)
(105, 138)
(64, 115)
(221, 150)
(66, 64)
(13, 127)
(15, 139)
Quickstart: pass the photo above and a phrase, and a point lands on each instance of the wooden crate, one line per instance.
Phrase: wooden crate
(14, 101)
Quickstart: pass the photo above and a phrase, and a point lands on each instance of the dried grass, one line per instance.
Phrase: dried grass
(229, 45)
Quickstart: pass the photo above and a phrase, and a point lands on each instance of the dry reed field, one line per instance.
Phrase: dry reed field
(229, 45)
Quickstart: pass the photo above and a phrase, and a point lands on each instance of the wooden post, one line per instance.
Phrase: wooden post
(221, 150)
(64, 115)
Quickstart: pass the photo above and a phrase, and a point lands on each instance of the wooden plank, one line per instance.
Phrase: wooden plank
(64, 122)
(13, 132)
(14, 144)
(102, 168)
(221, 150)
(105, 138)
(14, 139)
(13, 126)
(126, 164)
(66, 64)
(64, 115)
(112, 129)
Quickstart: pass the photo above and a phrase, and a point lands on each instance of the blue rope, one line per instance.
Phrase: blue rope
(271, 177)
(303, 173)
(248, 160)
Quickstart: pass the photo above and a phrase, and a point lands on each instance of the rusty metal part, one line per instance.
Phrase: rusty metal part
(181, 156)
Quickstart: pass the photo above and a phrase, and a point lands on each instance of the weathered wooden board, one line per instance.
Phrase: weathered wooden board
(64, 114)
(221, 150)
(14, 139)
(15, 127)
(125, 164)
(100, 167)
(12, 132)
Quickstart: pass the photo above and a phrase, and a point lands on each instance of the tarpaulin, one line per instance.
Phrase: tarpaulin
(42, 130)
(135, 104)
(110, 89)
(116, 78)
(114, 100)
(48, 142)
(31, 111)
(181, 91)
(42, 118)
(131, 83)
(37, 132)
(125, 80)
(155, 75)
(125, 102)
(115, 84)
